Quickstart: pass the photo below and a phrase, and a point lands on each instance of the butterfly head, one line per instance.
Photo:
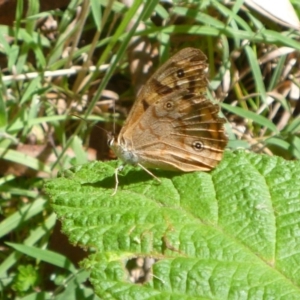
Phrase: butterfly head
(121, 150)
(112, 142)
(111, 139)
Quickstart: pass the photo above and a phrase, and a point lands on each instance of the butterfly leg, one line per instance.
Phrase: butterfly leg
(120, 168)
(117, 170)
(149, 173)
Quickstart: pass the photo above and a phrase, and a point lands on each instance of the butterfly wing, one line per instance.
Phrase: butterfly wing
(172, 125)
(181, 131)
(183, 71)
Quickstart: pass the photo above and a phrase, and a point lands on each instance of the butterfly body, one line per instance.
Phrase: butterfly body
(172, 125)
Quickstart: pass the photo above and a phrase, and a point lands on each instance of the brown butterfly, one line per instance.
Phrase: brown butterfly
(172, 125)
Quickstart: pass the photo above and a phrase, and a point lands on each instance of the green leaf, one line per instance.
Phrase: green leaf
(261, 120)
(96, 13)
(230, 233)
(30, 90)
(3, 114)
(80, 153)
(24, 159)
(257, 76)
(35, 235)
(21, 216)
(45, 255)
(27, 277)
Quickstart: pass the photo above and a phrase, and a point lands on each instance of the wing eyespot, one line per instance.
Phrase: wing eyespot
(169, 105)
(180, 73)
(198, 146)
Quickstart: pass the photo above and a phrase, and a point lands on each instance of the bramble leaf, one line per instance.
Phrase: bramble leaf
(232, 233)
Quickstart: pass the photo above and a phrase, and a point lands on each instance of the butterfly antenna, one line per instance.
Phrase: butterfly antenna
(114, 117)
(71, 114)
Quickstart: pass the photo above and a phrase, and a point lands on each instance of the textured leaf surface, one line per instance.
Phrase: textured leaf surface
(233, 233)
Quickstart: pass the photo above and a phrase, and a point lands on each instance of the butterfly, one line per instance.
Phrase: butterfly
(172, 125)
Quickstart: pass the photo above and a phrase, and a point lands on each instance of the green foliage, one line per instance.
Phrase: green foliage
(26, 278)
(228, 234)
(49, 72)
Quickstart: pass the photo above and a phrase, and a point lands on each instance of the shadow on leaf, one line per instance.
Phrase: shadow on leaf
(132, 176)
